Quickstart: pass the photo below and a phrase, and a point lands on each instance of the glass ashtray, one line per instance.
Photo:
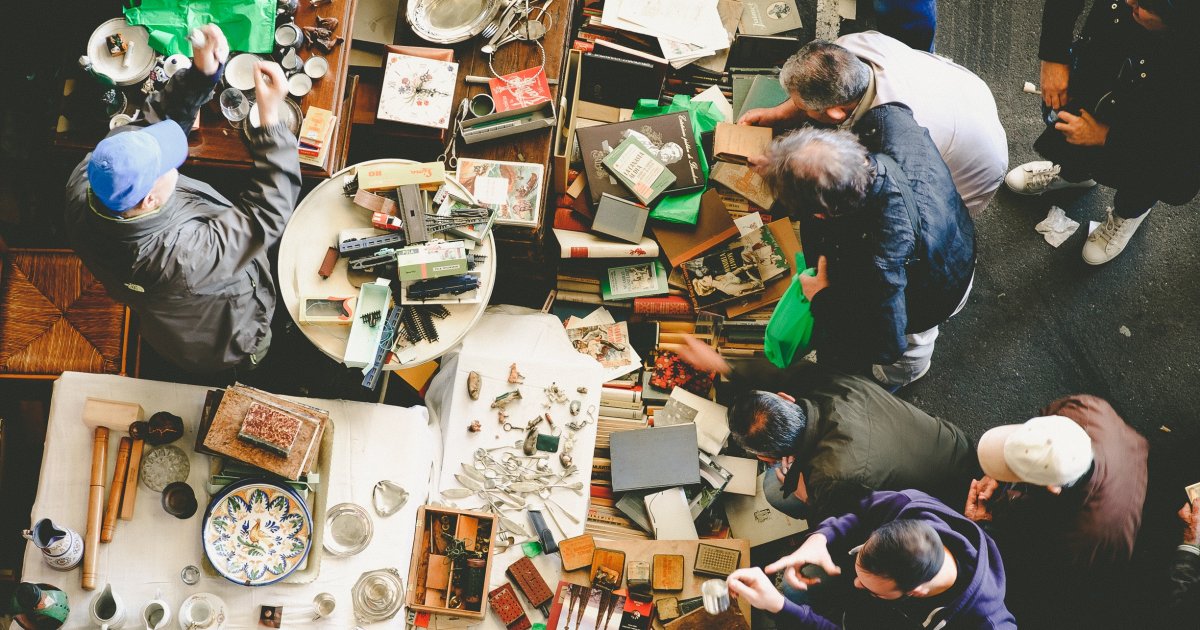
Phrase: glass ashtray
(377, 596)
(348, 529)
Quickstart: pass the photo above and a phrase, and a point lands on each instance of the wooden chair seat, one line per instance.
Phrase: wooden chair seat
(56, 317)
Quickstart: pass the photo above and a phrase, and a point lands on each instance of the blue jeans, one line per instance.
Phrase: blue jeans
(788, 504)
(910, 21)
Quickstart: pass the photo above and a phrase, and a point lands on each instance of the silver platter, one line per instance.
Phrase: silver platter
(451, 21)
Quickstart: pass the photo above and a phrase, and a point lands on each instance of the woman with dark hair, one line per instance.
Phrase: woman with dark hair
(1119, 104)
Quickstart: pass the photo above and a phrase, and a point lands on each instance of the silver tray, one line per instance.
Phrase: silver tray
(451, 21)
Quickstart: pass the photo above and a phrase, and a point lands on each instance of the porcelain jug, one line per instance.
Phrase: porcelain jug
(156, 614)
(62, 548)
(108, 612)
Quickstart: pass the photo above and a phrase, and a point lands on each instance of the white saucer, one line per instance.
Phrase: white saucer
(220, 612)
(239, 71)
(141, 56)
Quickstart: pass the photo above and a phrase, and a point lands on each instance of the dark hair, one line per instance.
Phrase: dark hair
(766, 424)
(825, 75)
(819, 171)
(906, 552)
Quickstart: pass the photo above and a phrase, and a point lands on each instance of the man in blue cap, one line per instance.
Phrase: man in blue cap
(191, 263)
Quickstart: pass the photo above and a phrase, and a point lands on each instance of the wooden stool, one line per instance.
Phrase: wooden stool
(56, 317)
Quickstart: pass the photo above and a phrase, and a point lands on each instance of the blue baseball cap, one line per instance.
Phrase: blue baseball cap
(125, 165)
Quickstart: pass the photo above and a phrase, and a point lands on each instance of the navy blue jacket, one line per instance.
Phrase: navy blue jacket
(882, 286)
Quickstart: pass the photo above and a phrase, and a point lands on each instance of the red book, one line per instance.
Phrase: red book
(520, 89)
(566, 219)
(584, 45)
(662, 305)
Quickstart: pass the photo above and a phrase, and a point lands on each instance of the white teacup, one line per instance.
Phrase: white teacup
(198, 613)
(120, 120)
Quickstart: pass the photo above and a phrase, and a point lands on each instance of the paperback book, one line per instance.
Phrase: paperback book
(669, 138)
(722, 276)
(635, 167)
(628, 282)
(512, 189)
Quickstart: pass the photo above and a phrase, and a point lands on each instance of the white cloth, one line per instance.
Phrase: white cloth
(954, 104)
(370, 442)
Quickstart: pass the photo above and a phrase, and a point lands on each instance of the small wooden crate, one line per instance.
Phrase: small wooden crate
(431, 577)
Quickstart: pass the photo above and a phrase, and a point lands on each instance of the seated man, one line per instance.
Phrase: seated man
(837, 83)
(893, 242)
(1068, 505)
(918, 564)
(837, 437)
(192, 264)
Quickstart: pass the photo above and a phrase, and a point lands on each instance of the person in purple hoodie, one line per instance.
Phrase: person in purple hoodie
(918, 564)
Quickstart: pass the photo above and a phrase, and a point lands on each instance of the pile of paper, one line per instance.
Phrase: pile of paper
(687, 30)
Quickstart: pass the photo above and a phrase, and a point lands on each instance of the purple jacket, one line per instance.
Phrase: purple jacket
(981, 602)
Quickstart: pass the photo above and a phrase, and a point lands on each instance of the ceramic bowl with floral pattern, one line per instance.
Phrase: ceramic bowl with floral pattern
(256, 532)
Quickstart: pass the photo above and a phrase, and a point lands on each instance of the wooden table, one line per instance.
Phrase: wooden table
(216, 145)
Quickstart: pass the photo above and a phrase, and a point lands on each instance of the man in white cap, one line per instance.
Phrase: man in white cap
(1063, 497)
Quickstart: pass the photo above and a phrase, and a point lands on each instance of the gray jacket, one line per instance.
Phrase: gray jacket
(195, 271)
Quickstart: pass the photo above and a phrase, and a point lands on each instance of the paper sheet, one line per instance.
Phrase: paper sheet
(685, 21)
(1057, 227)
(752, 518)
(717, 98)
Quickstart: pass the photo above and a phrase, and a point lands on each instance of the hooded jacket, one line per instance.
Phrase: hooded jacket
(980, 584)
(196, 270)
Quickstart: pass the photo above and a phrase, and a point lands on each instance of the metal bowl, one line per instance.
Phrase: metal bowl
(451, 21)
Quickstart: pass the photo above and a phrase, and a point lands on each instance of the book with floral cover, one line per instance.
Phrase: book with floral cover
(512, 189)
(417, 91)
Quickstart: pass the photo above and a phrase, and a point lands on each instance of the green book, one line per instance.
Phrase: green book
(637, 167)
(765, 91)
(640, 280)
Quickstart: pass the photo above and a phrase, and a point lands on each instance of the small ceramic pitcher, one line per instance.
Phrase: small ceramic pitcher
(156, 614)
(107, 610)
(62, 548)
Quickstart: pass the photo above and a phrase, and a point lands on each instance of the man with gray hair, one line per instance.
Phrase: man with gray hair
(836, 83)
(893, 243)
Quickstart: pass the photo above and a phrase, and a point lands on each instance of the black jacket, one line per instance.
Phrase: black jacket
(882, 284)
(1143, 84)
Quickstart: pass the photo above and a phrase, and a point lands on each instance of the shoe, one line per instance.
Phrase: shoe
(1035, 178)
(1110, 238)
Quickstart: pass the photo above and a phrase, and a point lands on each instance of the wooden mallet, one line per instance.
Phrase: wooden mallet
(101, 415)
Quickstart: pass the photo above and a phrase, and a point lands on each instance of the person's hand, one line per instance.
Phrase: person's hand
(813, 551)
(1190, 515)
(755, 587)
(812, 285)
(701, 356)
(1055, 78)
(759, 117)
(785, 464)
(208, 57)
(271, 87)
(758, 162)
(977, 498)
(1082, 130)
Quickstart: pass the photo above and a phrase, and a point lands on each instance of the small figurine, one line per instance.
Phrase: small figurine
(327, 23)
(475, 427)
(555, 394)
(575, 407)
(581, 390)
(116, 45)
(501, 417)
(514, 376)
(504, 399)
(474, 385)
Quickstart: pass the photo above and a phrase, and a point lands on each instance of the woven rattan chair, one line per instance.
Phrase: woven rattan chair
(56, 317)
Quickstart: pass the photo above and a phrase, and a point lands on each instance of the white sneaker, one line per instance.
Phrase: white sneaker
(1035, 178)
(1110, 238)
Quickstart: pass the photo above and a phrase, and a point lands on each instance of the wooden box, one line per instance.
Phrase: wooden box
(436, 582)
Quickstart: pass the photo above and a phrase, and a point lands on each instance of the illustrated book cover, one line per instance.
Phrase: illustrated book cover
(722, 276)
(668, 138)
(628, 282)
(512, 189)
(639, 170)
(768, 17)
(520, 89)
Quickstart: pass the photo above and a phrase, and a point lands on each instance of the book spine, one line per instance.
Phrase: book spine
(670, 305)
(631, 395)
(581, 287)
(583, 45)
(566, 219)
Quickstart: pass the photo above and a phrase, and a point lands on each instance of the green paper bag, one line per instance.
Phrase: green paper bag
(789, 331)
(685, 207)
(249, 25)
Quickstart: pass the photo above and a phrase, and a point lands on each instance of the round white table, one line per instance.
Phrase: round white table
(314, 228)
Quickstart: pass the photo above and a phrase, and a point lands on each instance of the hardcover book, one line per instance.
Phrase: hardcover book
(669, 138)
(738, 143)
(713, 227)
(744, 181)
(785, 238)
(768, 17)
(417, 91)
(520, 89)
(723, 276)
(585, 245)
(512, 189)
(640, 171)
(642, 279)
(621, 219)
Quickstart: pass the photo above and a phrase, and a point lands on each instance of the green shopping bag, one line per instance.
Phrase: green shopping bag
(683, 208)
(789, 332)
(249, 25)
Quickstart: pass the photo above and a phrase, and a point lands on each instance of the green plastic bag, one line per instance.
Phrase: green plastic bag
(249, 25)
(789, 332)
(685, 207)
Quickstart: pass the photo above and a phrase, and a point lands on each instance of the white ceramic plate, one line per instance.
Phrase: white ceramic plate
(239, 71)
(141, 57)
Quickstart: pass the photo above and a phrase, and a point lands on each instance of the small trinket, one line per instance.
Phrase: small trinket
(501, 417)
(474, 385)
(388, 497)
(190, 575)
(139, 430)
(327, 22)
(163, 428)
(555, 394)
(581, 390)
(475, 427)
(576, 407)
(116, 45)
(514, 376)
(546, 443)
(504, 399)
(549, 421)
(529, 446)
(372, 319)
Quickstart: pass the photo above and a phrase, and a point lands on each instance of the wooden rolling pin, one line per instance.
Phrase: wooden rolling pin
(115, 490)
(91, 543)
(131, 480)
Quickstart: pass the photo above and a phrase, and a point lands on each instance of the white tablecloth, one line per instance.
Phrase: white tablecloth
(371, 442)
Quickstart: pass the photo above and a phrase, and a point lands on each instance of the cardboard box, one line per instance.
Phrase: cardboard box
(427, 591)
(388, 176)
(363, 342)
(431, 260)
(501, 124)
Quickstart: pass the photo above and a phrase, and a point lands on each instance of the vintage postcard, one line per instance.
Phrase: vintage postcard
(512, 189)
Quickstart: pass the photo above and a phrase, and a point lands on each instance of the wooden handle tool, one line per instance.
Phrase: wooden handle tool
(115, 490)
(131, 480)
(91, 543)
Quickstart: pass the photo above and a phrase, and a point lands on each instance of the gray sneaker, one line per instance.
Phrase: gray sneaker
(1035, 178)
(1110, 238)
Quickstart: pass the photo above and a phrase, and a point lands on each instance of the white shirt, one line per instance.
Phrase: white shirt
(954, 104)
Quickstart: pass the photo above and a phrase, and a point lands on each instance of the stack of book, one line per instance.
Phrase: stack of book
(262, 430)
(316, 134)
(620, 410)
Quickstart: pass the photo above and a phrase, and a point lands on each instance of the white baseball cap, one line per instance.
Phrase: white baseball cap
(1045, 451)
